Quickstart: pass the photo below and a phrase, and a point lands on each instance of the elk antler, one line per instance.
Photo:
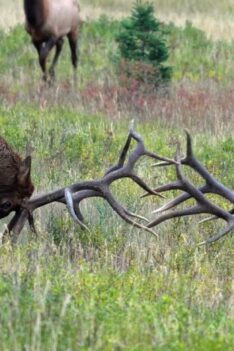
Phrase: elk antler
(190, 191)
(73, 195)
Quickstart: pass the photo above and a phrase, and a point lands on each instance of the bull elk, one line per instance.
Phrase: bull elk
(48, 22)
(74, 194)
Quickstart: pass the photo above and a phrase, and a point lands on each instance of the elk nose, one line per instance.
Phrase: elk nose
(5, 205)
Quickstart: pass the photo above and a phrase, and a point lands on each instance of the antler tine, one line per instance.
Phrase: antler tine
(140, 151)
(144, 152)
(181, 185)
(123, 214)
(222, 233)
(212, 218)
(208, 219)
(70, 206)
(127, 170)
(122, 156)
(213, 186)
(135, 215)
(160, 158)
(161, 164)
(18, 224)
(11, 225)
(144, 186)
(174, 214)
(189, 147)
(173, 203)
(208, 206)
(203, 204)
(124, 151)
(32, 223)
(179, 199)
(166, 187)
(84, 194)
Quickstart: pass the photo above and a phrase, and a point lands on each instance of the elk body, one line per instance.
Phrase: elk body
(15, 179)
(48, 21)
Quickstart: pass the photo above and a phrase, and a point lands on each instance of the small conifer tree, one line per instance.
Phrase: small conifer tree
(142, 46)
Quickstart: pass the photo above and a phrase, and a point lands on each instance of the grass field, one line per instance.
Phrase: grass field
(117, 287)
(214, 17)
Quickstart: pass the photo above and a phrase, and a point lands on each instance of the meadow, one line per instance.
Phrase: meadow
(117, 287)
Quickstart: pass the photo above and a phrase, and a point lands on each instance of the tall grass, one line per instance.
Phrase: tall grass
(201, 95)
(116, 287)
(190, 6)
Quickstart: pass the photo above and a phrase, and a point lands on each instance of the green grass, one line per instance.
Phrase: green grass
(116, 287)
(192, 55)
(51, 303)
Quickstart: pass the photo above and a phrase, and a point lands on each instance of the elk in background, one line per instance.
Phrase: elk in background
(48, 21)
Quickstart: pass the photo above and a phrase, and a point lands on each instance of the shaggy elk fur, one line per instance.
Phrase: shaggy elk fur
(15, 180)
(48, 21)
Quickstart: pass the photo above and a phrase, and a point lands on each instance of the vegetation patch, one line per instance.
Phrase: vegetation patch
(116, 287)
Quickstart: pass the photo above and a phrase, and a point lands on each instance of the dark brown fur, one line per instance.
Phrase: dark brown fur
(15, 179)
(34, 12)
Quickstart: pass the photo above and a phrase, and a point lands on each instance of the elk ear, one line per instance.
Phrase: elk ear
(25, 171)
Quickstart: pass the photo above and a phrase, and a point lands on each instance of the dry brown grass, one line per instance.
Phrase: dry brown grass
(215, 19)
(198, 106)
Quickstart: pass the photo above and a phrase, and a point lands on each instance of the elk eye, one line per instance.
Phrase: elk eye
(6, 205)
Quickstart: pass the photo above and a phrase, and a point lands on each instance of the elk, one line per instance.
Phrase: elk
(15, 179)
(48, 22)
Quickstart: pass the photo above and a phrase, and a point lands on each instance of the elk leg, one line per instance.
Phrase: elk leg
(59, 46)
(37, 46)
(72, 38)
(45, 48)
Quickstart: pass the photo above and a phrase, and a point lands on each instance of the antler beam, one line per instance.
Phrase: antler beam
(73, 195)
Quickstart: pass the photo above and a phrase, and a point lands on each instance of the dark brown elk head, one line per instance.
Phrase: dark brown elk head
(15, 179)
